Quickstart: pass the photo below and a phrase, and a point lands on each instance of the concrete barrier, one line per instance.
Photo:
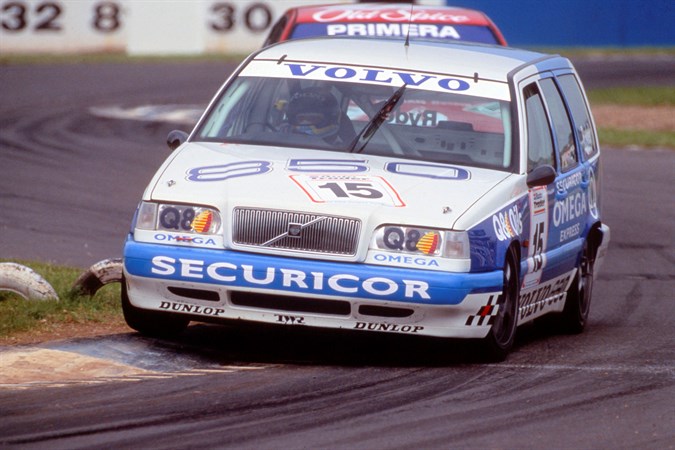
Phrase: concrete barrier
(138, 27)
(144, 27)
(141, 27)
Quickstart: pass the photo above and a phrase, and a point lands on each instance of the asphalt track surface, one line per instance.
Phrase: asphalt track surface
(69, 183)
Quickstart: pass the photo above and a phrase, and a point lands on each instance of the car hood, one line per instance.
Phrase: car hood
(374, 189)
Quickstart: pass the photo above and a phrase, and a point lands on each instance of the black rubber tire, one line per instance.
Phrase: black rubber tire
(578, 301)
(151, 323)
(499, 341)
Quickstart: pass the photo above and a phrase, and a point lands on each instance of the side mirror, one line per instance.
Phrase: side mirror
(175, 138)
(541, 176)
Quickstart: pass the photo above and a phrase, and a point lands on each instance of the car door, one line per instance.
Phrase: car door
(589, 150)
(567, 202)
(540, 152)
(557, 211)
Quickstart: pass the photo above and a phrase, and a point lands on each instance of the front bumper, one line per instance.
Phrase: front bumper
(221, 284)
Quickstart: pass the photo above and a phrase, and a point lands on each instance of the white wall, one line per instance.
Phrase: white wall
(139, 27)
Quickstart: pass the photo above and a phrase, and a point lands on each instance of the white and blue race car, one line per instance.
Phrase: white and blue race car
(448, 190)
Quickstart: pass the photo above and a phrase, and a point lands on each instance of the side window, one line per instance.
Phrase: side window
(539, 141)
(580, 114)
(561, 125)
(223, 118)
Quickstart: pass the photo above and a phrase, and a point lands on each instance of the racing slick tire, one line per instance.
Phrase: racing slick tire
(151, 323)
(578, 299)
(499, 341)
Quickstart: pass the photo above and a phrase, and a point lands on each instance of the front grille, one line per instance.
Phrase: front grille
(296, 231)
(291, 304)
(197, 294)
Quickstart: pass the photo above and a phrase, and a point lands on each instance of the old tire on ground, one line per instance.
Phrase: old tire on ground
(98, 275)
(151, 323)
(578, 300)
(26, 282)
(499, 341)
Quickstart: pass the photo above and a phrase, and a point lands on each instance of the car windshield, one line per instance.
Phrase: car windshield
(424, 31)
(443, 127)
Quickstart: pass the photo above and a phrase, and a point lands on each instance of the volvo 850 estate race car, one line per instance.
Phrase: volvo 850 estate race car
(448, 190)
(394, 21)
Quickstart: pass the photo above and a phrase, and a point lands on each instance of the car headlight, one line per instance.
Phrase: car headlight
(421, 241)
(178, 218)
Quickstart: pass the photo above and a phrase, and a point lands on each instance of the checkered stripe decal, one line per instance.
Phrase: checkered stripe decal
(486, 314)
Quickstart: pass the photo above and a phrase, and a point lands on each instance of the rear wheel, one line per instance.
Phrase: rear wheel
(499, 340)
(151, 323)
(578, 302)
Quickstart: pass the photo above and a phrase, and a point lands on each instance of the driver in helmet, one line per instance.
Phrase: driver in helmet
(315, 112)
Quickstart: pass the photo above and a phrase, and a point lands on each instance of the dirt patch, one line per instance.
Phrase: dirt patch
(60, 331)
(40, 366)
(646, 118)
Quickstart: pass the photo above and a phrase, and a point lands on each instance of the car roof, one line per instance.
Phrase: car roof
(490, 62)
(391, 12)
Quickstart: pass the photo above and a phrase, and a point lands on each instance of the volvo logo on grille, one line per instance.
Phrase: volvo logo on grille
(294, 230)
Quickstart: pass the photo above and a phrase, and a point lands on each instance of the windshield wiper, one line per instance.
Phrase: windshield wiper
(377, 120)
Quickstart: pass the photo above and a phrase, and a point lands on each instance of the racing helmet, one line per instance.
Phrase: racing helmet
(313, 111)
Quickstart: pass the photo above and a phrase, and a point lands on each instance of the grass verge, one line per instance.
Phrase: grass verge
(614, 137)
(18, 315)
(637, 96)
(635, 131)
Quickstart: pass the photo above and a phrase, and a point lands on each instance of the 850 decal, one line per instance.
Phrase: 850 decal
(224, 172)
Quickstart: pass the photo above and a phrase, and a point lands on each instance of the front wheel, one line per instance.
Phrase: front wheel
(499, 340)
(578, 300)
(151, 323)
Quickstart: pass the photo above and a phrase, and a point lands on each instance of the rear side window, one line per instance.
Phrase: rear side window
(580, 114)
(539, 141)
(276, 31)
(562, 126)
